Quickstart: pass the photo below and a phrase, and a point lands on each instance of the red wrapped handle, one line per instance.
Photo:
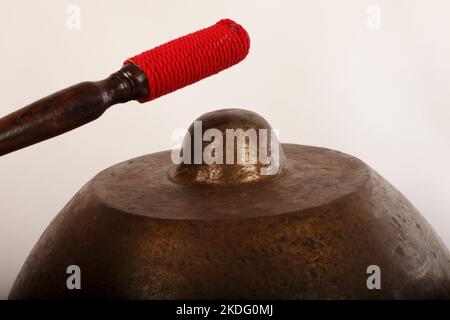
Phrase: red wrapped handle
(190, 58)
(144, 77)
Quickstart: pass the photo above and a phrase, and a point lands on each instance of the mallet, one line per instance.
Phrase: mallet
(144, 77)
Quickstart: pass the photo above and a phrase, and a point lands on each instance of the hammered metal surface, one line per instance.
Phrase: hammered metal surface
(308, 234)
(147, 229)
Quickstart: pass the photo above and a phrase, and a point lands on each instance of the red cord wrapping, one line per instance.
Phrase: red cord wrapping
(188, 59)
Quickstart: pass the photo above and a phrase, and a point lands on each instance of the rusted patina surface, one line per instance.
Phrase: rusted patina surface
(146, 229)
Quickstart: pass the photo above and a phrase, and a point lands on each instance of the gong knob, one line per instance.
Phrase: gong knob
(228, 147)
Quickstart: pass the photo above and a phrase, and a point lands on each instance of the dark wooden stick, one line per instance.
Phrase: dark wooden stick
(70, 108)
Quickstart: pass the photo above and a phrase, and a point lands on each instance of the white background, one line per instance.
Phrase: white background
(317, 70)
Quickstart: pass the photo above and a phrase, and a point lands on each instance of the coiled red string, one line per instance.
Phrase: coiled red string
(190, 58)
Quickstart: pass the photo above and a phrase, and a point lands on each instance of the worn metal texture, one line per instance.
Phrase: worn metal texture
(138, 231)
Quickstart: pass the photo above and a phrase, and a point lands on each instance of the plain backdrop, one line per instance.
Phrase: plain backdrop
(369, 78)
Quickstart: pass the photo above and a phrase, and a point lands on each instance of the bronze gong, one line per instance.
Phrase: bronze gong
(149, 229)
